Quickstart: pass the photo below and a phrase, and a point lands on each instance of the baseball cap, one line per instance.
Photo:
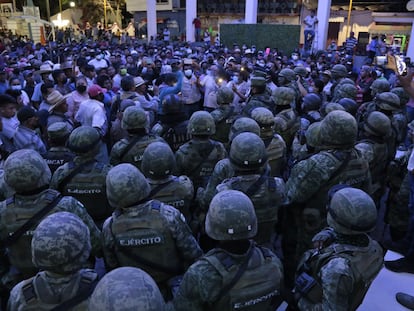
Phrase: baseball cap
(94, 90)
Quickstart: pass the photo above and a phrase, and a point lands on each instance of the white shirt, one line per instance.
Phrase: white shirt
(9, 126)
(92, 113)
(309, 20)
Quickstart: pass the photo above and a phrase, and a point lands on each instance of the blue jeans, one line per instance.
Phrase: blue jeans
(309, 35)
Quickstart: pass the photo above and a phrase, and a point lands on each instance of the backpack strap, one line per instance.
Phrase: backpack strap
(29, 293)
(12, 238)
(256, 185)
(76, 170)
(131, 144)
(160, 187)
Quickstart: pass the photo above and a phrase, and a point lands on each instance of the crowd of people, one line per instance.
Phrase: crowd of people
(184, 176)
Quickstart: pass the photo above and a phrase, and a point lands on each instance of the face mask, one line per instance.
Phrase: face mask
(123, 72)
(294, 57)
(235, 79)
(81, 88)
(188, 72)
(16, 87)
(311, 89)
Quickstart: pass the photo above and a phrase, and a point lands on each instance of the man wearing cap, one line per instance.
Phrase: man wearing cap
(44, 71)
(190, 89)
(58, 154)
(92, 113)
(58, 108)
(145, 100)
(258, 96)
(25, 136)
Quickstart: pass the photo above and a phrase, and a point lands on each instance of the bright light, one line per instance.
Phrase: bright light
(59, 22)
(72, 4)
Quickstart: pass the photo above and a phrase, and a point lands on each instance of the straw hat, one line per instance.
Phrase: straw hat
(55, 99)
(44, 68)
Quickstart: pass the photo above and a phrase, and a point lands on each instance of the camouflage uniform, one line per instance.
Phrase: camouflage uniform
(5, 190)
(84, 178)
(275, 145)
(345, 89)
(28, 174)
(248, 156)
(126, 288)
(310, 147)
(63, 278)
(204, 284)
(345, 269)
(287, 78)
(145, 233)
(338, 72)
(310, 179)
(131, 149)
(197, 158)
(158, 163)
(259, 99)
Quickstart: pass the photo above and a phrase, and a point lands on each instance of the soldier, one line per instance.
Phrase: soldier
(311, 104)
(345, 269)
(158, 165)
(373, 147)
(286, 119)
(274, 143)
(236, 274)
(310, 180)
(60, 248)
(224, 115)
(338, 73)
(126, 288)
(349, 105)
(345, 90)
(84, 177)
(258, 96)
(58, 154)
(252, 176)
(27, 173)
(131, 149)
(145, 233)
(310, 144)
(172, 126)
(287, 78)
(197, 158)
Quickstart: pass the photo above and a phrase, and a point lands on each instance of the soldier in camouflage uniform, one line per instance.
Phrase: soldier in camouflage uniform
(286, 119)
(274, 143)
(131, 149)
(373, 147)
(224, 115)
(345, 90)
(237, 274)
(84, 177)
(258, 96)
(172, 126)
(158, 165)
(60, 248)
(145, 233)
(345, 269)
(311, 103)
(27, 173)
(310, 179)
(309, 147)
(58, 154)
(126, 288)
(329, 107)
(252, 176)
(287, 78)
(302, 73)
(338, 73)
(350, 105)
(197, 158)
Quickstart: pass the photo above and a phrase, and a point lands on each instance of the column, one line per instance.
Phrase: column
(323, 13)
(151, 19)
(190, 14)
(410, 50)
(250, 15)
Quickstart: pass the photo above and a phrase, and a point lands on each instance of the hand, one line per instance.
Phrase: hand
(405, 81)
(323, 238)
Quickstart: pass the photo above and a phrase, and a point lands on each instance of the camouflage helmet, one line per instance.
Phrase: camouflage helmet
(243, 124)
(247, 151)
(347, 91)
(349, 105)
(338, 128)
(312, 134)
(351, 211)
(125, 185)
(83, 139)
(283, 96)
(402, 94)
(379, 86)
(201, 123)
(126, 288)
(172, 104)
(387, 101)
(158, 160)
(329, 107)
(25, 170)
(311, 101)
(231, 216)
(377, 124)
(263, 116)
(225, 95)
(61, 243)
(288, 74)
(339, 71)
(134, 118)
(346, 81)
(301, 71)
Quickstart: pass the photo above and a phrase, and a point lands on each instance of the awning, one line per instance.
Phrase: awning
(390, 30)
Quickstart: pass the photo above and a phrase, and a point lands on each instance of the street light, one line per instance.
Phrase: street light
(72, 4)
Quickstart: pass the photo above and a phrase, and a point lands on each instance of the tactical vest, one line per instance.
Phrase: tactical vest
(135, 152)
(57, 158)
(276, 153)
(148, 237)
(365, 263)
(38, 294)
(257, 289)
(89, 187)
(176, 135)
(12, 218)
(224, 118)
(292, 126)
